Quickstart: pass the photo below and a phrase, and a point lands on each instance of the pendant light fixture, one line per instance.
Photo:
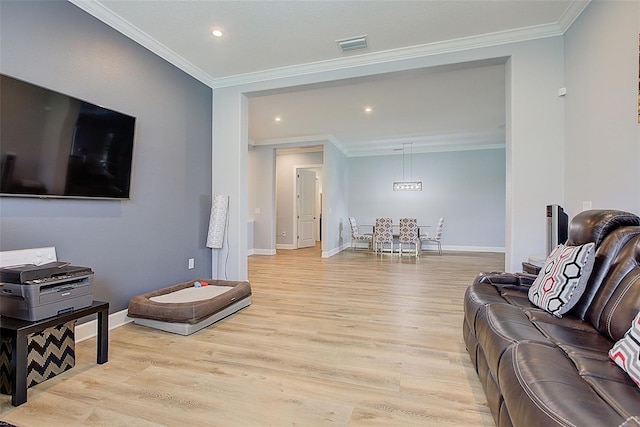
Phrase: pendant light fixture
(405, 185)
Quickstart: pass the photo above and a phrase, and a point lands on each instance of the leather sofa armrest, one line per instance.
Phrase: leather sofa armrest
(500, 279)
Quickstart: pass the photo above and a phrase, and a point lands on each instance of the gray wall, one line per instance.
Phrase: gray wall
(285, 188)
(467, 188)
(261, 196)
(137, 245)
(335, 211)
(602, 148)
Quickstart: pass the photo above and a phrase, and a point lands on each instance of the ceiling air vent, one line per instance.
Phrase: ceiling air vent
(353, 43)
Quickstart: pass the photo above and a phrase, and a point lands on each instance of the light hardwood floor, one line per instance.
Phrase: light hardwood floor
(352, 340)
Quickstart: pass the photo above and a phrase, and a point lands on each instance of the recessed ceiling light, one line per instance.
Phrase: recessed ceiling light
(368, 109)
(278, 118)
(217, 33)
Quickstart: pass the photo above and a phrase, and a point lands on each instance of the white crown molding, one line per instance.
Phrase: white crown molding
(442, 148)
(335, 141)
(406, 53)
(305, 139)
(123, 26)
(431, 143)
(469, 141)
(571, 14)
(302, 141)
(306, 149)
(107, 16)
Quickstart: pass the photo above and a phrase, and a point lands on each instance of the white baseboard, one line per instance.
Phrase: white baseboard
(285, 246)
(88, 330)
(427, 248)
(332, 252)
(262, 251)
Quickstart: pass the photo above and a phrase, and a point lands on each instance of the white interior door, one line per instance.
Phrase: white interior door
(306, 195)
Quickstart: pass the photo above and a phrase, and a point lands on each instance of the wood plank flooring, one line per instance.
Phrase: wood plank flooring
(352, 340)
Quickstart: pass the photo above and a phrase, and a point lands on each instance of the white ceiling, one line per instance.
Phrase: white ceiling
(447, 108)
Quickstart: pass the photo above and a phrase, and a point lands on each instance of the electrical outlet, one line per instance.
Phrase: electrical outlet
(586, 205)
(192, 263)
(283, 233)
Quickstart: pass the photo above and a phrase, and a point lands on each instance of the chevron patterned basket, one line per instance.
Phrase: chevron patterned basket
(49, 354)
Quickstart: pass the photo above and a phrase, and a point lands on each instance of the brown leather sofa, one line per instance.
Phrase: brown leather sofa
(541, 370)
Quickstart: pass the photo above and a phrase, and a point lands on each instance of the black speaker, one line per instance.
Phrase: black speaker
(557, 226)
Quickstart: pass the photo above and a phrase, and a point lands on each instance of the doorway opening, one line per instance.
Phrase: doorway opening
(299, 177)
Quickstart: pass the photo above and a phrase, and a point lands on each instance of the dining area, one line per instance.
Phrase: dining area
(406, 236)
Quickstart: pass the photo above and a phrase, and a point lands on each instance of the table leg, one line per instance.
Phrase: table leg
(18, 376)
(103, 337)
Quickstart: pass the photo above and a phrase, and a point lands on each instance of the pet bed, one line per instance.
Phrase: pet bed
(189, 306)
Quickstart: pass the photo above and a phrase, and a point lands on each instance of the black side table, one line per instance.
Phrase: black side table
(530, 268)
(19, 330)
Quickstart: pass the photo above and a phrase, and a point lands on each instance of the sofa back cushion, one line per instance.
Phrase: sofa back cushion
(609, 230)
(605, 256)
(617, 299)
(596, 224)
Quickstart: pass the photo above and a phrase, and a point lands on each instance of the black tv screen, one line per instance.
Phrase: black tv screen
(54, 145)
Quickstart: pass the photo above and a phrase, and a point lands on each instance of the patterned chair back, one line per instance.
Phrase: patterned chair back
(384, 230)
(439, 229)
(408, 230)
(354, 227)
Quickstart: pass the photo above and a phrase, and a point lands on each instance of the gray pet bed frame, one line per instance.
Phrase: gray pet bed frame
(165, 309)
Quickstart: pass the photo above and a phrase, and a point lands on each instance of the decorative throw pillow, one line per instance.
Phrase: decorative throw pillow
(563, 278)
(626, 351)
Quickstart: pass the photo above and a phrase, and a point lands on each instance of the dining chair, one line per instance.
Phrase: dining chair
(436, 238)
(383, 234)
(409, 234)
(356, 237)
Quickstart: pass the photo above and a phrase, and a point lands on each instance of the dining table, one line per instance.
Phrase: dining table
(396, 233)
(395, 227)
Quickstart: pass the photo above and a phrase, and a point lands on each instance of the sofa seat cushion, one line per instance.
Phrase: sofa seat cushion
(576, 339)
(568, 321)
(536, 380)
(477, 296)
(517, 297)
(499, 326)
(610, 382)
(597, 366)
(620, 395)
(481, 294)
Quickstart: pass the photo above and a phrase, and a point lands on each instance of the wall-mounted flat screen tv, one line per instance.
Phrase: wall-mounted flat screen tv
(54, 145)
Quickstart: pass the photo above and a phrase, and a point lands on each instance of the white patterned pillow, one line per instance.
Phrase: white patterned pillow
(563, 278)
(626, 351)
